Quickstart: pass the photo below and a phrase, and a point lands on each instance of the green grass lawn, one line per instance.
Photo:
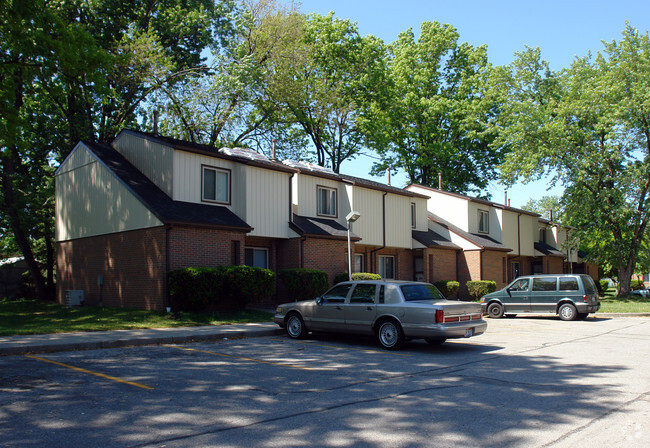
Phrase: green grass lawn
(609, 303)
(33, 317)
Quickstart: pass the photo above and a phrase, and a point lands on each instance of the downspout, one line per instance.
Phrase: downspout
(168, 229)
(383, 212)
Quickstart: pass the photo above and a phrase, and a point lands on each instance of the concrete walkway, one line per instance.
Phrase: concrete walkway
(55, 342)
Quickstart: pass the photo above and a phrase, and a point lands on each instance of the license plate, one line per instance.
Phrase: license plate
(469, 332)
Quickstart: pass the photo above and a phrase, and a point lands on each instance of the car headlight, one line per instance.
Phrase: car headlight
(278, 310)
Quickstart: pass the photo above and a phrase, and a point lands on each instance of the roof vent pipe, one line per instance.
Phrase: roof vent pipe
(388, 173)
(273, 149)
(505, 198)
(439, 181)
(155, 121)
(550, 215)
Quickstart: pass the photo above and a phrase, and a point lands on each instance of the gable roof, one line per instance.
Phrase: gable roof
(547, 249)
(476, 200)
(433, 239)
(320, 228)
(162, 206)
(241, 155)
(483, 241)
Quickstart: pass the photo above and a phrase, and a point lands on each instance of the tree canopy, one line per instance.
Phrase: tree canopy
(589, 124)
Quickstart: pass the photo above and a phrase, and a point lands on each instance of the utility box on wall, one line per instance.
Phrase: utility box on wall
(74, 297)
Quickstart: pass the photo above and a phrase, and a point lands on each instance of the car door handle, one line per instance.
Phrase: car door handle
(369, 308)
(338, 307)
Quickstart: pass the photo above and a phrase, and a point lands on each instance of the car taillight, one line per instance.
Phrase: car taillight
(584, 299)
(440, 316)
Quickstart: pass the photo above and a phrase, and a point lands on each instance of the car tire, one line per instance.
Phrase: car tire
(567, 312)
(432, 341)
(495, 310)
(390, 335)
(295, 326)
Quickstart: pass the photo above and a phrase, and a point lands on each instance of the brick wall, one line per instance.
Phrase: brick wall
(202, 247)
(444, 265)
(325, 255)
(132, 265)
(493, 263)
(554, 265)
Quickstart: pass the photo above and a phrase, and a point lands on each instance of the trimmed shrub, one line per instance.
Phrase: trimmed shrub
(447, 287)
(479, 288)
(636, 284)
(343, 276)
(603, 285)
(303, 284)
(222, 288)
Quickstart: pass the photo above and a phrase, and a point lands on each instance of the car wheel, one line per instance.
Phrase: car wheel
(432, 341)
(390, 335)
(296, 326)
(495, 310)
(567, 312)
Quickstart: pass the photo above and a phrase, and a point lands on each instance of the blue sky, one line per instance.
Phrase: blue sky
(561, 29)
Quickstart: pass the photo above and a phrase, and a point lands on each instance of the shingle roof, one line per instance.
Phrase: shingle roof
(482, 241)
(161, 205)
(547, 249)
(321, 227)
(242, 155)
(433, 239)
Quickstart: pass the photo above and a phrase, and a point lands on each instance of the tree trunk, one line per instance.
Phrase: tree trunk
(8, 172)
(624, 279)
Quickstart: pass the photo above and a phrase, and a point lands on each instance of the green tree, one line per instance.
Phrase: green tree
(228, 103)
(326, 84)
(547, 206)
(434, 111)
(590, 126)
(73, 70)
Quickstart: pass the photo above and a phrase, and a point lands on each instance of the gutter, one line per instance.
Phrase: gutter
(374, 251)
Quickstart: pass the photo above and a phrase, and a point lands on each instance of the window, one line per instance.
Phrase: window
(483, 221)
(542, 235)
(216, 185)
(256, 257)
(387, 266)
(568, 284)
(337, 294)
(326, 201)
(413, 216)
(363, 294)
(359, 263)
(515, 269)
(545, 284)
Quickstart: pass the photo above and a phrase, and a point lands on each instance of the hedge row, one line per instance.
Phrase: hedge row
(479, 288)
(303, 284)
(447, 287)
(343, 276)
(222, 288)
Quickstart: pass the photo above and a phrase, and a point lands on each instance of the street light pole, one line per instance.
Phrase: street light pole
(350, 218)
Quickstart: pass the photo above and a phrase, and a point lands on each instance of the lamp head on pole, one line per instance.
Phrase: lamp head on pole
(352, 216)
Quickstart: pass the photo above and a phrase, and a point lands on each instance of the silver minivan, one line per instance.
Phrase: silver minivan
(571, 296)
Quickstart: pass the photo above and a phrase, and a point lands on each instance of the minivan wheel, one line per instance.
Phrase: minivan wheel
(495, 310)
(567, 312)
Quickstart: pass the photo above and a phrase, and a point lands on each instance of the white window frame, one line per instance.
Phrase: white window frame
(217, 199)
(382, 267)
(330, 207)
(483, 218)
(256, 249)
(413, 216)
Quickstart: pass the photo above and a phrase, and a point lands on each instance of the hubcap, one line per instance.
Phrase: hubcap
(388, 334)
(567, 312)
(294, 327)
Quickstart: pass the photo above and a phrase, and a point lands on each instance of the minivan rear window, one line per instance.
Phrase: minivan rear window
(545, 284)
(568, 284)
(590, 287)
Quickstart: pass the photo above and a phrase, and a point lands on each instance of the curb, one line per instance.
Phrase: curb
(15, 345)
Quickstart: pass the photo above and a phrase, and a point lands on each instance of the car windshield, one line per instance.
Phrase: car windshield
(421, 292)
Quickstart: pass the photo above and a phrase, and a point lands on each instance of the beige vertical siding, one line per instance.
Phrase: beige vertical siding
(306, 197)
(267, 202)
(91, 201)
(258, 196)
(449, 208)
(370, 225)
(153, 159)
(398, 221)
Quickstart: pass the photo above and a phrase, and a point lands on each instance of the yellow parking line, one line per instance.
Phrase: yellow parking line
(243, 358)
(79, 369)
(383, 352)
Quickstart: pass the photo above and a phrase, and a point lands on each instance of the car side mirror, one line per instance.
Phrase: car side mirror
(319, 300)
